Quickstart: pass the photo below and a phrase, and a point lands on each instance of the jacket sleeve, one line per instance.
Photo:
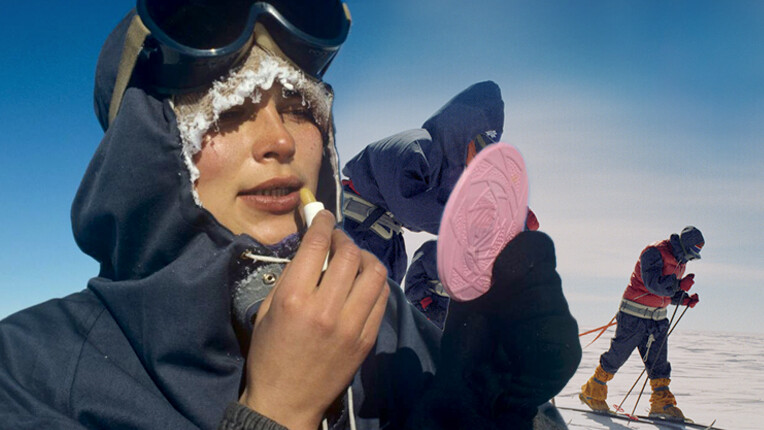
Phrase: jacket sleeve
(402, 173)
(652, 269)
(422, 274)
(240, 417)
(25, 402)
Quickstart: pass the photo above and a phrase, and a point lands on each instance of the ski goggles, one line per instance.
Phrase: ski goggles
(180, 46)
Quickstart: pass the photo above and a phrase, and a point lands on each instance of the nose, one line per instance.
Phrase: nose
(273, 139)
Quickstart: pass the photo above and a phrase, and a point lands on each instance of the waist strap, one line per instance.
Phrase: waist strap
(359, 209)
(642, 311)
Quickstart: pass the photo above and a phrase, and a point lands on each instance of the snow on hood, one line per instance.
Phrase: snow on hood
(198, 112)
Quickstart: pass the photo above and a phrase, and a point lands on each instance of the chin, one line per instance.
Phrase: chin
(272, 236)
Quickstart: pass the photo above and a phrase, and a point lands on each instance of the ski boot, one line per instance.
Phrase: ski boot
(663, 403)
(594, 392)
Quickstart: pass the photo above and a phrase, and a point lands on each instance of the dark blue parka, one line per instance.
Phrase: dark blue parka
(411, 174)
(151, 342)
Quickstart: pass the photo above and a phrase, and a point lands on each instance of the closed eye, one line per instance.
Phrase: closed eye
(299, 113)
(233, 115)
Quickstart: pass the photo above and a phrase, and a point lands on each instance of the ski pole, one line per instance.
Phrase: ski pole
(643, 370)
(659, 352)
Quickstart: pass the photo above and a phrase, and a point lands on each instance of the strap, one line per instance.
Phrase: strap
(136, 35)
(642, 311)
(360, 210)
(375, 215)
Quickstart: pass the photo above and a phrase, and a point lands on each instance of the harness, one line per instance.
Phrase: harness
(642, 311)
(370, 216)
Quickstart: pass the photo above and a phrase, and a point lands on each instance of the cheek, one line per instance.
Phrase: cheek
(311, 148)
(210, 161)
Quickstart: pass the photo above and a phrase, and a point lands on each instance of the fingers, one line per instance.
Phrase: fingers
(352, 293)
(303, 272)
(371, 327)
(369, 293)
(344, 266)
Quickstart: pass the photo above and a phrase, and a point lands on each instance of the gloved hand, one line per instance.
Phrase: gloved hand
(679, 297)
(684, 299)
(691, 301)
(687, 282)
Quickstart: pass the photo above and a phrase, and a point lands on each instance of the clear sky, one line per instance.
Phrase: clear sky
(635, 119)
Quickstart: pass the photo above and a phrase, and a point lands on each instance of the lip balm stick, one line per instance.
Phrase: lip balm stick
(310, 207)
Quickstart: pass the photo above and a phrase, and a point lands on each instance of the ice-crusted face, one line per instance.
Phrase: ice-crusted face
(252, 141)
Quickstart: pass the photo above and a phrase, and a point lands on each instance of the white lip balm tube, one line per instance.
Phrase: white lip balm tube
(310, 207)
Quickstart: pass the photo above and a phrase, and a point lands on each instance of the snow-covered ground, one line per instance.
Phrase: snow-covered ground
(715, 376)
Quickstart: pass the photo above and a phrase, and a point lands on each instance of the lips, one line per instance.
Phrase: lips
(277, 196)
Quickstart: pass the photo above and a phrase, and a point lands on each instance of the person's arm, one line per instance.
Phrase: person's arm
(652, 274)
(403, 173)
(314, 329)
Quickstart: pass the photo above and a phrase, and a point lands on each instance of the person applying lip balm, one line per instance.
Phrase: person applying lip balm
(310, 207)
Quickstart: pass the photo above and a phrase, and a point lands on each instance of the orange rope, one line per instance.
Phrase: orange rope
(604, 327)
(600, 329)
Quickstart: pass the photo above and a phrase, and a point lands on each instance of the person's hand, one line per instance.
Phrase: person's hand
(687, 282)
(312, 332)
(691, 301)
(679, 297)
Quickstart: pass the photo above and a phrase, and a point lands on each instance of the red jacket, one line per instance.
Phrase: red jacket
(665, 285)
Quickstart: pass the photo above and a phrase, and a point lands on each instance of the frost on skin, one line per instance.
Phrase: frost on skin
(197, 113)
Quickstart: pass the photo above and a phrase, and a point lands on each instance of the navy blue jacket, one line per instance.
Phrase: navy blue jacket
(152, 343)
(412, 173)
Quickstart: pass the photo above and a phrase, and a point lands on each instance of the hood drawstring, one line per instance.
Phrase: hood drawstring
(351, 413)
(264, 258)
(350, 408)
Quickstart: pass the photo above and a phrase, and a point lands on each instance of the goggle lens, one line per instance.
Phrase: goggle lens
(200, 25)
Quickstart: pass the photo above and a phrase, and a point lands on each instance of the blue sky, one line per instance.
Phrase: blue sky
(635, 119)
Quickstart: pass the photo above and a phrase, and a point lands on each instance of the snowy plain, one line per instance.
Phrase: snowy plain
(715, 376)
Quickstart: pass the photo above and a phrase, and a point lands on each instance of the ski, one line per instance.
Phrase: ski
(646, 419)
(619, 410)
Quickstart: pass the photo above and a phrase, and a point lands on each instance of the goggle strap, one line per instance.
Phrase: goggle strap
(264, 40)
(136, 36)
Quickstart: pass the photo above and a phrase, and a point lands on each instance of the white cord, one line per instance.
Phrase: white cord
(350, 408)
(265, 258)
(325, 424)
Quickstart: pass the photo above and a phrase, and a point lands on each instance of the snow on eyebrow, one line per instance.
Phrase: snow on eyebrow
(233, 90)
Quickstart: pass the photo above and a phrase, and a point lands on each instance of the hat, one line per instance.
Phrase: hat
(692, 241)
